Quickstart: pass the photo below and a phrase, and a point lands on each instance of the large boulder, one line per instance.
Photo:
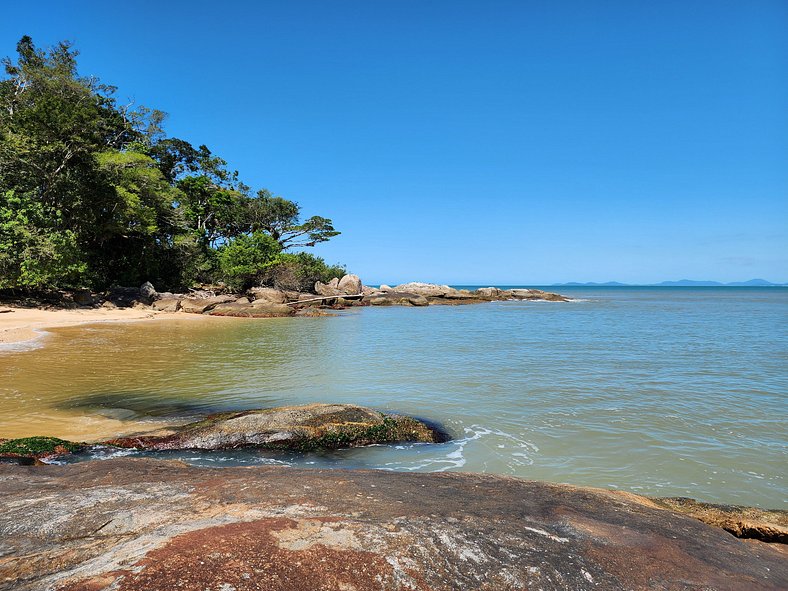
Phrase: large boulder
(84, 297)
(327, 289)
(124, 297)
(350, 285)
(168, 304)
(143, 524)
(457, 296)
(393, 298)
(490, 293)
(202, 305)
(313, 426)
(431, 290)
(148, 292)
(267, 295)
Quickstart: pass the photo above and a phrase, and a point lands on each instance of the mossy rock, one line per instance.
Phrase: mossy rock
(309, 427)
(37, 447)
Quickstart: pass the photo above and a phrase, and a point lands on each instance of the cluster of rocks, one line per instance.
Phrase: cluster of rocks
(267, 302)
(424, 294)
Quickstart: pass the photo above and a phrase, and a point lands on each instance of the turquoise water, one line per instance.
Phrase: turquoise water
(662, 391)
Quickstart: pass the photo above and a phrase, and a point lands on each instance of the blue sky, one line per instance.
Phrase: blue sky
(477, 142)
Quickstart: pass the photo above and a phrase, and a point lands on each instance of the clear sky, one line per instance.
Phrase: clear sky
(481, 142)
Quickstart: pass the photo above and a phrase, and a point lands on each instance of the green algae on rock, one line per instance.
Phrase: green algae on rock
(37, 447)
(303, 428)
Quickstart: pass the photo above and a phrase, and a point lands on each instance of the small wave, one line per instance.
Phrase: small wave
(109, 453)
(520, 454)
(27, 345)
(236, 460)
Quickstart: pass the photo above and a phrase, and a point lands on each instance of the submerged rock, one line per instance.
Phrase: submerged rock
(311, 312)
(535, 294)
(147, 525)
(257, 309)
(313, 426)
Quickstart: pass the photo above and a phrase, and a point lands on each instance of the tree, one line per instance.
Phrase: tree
(93, 193)
(31, 256)
(280, 218)
(244, 260)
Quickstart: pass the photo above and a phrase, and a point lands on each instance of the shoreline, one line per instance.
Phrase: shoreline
(24, 326)
(22, 323)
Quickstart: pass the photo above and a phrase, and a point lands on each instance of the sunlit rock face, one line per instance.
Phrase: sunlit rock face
(307, 427)
(139, 525)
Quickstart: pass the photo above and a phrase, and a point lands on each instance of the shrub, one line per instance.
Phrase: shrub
(299, 271)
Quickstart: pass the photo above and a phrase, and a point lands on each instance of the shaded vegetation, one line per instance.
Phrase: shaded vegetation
(93, 194)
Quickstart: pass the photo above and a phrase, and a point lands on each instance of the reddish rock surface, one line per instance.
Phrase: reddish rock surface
(153, 525)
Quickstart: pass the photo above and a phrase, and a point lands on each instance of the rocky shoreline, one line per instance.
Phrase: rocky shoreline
(151, 525)
(268, 302)
(315, 427)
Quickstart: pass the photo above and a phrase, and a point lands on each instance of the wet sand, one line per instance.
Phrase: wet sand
(18, 325)
(23, 324)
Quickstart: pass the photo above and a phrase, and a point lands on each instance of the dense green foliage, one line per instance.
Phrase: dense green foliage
(93, 194)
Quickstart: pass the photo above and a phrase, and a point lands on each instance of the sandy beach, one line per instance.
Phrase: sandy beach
(24, 324)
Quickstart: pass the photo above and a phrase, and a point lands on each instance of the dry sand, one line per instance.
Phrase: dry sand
(23, 324)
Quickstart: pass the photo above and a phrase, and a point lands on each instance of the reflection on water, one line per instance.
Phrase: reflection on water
(668, 392)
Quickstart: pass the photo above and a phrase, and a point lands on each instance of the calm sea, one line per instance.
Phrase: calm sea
(661, 391)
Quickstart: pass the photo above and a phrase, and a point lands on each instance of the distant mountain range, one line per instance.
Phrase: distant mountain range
(682, 283)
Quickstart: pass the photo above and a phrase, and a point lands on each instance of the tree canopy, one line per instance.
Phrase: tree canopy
(93, 193)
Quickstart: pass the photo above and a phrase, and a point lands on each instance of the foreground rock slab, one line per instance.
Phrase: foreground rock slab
(148, 525)
(307, 427)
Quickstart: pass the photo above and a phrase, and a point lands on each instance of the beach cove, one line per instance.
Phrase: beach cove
(539, 390)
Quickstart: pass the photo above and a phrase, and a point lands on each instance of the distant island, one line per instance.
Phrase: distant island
(679, 283)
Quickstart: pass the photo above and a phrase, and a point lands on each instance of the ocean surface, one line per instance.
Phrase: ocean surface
(660, 391)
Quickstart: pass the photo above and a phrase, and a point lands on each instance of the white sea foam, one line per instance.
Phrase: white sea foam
(516, 451)
(27, 345)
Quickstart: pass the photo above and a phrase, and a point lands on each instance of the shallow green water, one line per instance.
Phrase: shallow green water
(654, 390)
